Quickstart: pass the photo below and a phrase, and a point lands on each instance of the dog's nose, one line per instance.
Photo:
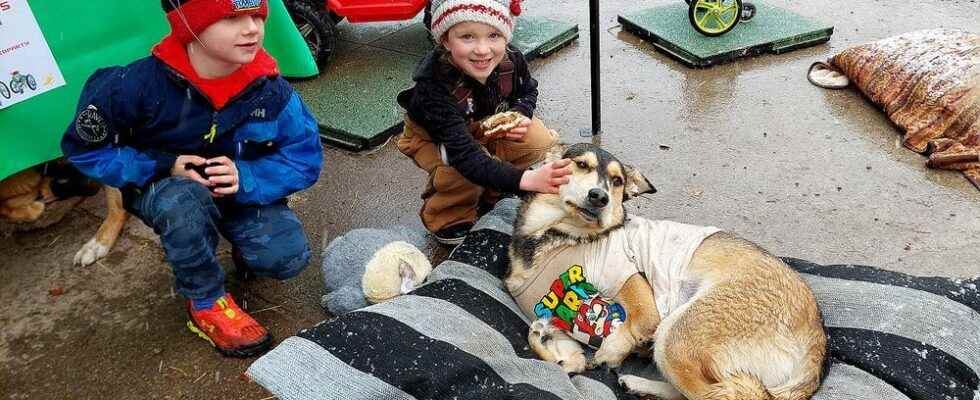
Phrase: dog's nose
(598, 197)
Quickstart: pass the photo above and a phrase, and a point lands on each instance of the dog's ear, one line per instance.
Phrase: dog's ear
(636, 183)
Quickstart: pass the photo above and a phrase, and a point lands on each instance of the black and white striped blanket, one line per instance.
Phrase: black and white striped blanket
(461, 336)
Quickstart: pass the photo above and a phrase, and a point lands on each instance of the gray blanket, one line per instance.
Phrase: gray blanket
(460, 336)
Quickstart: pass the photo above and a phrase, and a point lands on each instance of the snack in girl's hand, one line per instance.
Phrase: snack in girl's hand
(499, 124)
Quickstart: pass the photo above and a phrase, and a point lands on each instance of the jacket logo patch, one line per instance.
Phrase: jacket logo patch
(245, 5)
(91, 126)
(258, 113)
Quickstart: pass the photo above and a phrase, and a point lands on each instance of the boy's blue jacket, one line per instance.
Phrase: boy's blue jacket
(133, 121)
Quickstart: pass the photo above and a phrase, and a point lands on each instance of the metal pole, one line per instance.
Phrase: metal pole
(594, 63)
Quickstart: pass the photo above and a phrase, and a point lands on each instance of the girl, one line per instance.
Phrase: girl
(473, 74)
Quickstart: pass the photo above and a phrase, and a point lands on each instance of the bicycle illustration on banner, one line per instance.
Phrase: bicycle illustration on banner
(18, 82)
(27, 66)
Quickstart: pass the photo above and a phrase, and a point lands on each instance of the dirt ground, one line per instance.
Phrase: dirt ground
(749, 146)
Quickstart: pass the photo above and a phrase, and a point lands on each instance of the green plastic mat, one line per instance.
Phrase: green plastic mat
(772, 30)
(112, 32)
(354, 97)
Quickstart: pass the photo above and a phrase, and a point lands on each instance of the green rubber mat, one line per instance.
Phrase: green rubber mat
(772, 30)
(354, 97)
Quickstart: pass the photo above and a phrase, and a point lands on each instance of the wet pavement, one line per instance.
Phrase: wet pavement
(750, 147)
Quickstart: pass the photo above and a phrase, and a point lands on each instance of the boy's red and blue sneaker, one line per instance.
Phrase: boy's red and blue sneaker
(231, 331)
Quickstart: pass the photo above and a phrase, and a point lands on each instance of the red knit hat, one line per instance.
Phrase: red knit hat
(189, 18)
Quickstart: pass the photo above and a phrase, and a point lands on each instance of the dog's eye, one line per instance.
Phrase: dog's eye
(582, 164)
(617, 181)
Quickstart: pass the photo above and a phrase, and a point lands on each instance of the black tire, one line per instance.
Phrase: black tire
(427, 16)
(31, 83)
(692, 9)
(427, 23)
(748, 11)
(316, 27)
(4, 91)
(16, 86)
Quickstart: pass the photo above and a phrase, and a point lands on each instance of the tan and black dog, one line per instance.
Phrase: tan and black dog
(26, 196)
(727, 320)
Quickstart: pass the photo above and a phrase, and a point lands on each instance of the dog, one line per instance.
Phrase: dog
(726, 319)
(27, 196)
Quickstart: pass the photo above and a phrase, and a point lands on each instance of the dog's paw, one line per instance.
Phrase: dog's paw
(639, 386)
(574, 363)
(539, 330)
(630, 383)
(607, 359)
(90, 253)
(25, 213)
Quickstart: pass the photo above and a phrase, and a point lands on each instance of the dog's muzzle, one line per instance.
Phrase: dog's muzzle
(589, 214)
(598, 198)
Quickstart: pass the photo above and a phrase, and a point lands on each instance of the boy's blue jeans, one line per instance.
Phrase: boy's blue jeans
(188, 220)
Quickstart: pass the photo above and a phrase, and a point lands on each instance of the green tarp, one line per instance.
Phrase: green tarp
(87, 35)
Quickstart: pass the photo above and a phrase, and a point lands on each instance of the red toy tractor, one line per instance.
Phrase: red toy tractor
(316, 19)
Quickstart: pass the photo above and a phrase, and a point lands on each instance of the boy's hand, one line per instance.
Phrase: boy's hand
(223, 176)
(517, 134)
(548, 178)
(184, 167)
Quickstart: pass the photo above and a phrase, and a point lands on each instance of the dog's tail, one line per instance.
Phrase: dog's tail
(739, 386)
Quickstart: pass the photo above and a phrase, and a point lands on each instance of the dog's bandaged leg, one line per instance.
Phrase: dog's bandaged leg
(554, 345)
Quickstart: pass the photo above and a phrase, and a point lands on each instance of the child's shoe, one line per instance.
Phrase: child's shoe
(453, 234)
(231, 331)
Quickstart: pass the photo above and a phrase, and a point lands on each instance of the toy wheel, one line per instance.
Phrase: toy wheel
(31, 83)
(4, 91)
(714, 17)
(427, 17)
(316, 28)
(16, 86)
(748, 11)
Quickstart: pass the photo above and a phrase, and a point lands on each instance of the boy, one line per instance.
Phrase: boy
(473, 74)
(204, 137)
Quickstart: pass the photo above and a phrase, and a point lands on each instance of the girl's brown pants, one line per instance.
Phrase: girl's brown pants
(449, 198)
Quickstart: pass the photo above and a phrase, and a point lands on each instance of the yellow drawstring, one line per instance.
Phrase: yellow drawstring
(210, 135)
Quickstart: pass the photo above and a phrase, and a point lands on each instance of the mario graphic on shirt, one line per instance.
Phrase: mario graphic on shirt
(574, 305)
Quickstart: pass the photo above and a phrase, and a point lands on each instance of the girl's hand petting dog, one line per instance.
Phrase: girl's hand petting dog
(219, 175)
(548, 178)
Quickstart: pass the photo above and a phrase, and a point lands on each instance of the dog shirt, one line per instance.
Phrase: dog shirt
(574, 286)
